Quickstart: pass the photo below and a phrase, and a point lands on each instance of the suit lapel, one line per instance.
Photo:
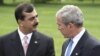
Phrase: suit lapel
(34, 43)
(80, 45)
(16, 43)
(77, 50)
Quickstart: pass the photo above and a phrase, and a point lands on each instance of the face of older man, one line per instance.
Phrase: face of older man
(64, 29)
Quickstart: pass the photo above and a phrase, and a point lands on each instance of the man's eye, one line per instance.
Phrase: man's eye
(33, 17)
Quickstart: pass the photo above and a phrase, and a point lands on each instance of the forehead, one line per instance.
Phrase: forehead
(33, 13)
(59, 19)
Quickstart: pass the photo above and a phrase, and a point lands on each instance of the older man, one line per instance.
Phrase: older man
(70, 23)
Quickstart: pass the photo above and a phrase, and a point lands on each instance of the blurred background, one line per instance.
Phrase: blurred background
(46, 10)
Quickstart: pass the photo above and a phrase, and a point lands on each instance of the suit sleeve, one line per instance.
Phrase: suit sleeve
(95, 51)
(51, 51)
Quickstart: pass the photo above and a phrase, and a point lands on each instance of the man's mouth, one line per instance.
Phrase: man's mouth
(35, 24)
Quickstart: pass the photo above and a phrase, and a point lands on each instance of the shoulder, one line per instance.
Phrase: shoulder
(89, 40)
(95, 47)
(92, 42)
(8, 36)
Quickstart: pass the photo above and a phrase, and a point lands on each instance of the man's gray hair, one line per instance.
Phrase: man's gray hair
(71, 13)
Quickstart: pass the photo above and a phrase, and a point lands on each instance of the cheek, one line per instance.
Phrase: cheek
(30, 22)
(59, 27)
(62, 29)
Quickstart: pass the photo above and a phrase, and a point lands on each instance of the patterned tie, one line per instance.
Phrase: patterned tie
(68, 52)
(25, 44)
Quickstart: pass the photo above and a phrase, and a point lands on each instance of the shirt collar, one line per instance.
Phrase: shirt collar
(22, 35)
(78, 36)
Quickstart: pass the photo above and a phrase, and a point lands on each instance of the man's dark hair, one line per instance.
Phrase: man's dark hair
(23, 7)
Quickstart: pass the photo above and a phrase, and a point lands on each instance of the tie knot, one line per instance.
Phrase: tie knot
(25, 37)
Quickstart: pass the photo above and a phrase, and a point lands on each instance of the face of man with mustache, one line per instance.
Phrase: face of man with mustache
(30, 22)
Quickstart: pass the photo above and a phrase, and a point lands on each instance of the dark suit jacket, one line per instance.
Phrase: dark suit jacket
(40, 45)
(87, 46)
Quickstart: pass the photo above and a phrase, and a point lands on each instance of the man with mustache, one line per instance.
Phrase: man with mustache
(26, 40)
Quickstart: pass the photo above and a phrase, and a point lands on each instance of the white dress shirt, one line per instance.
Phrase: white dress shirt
(76, 39)
(21, 35)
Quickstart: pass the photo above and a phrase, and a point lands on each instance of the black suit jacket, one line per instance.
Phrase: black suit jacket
(87, 46)
(40, 45)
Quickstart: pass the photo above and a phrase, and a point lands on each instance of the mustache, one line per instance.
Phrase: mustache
(35, 24)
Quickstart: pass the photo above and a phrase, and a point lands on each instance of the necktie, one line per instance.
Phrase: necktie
(68, 51)
(25, 44)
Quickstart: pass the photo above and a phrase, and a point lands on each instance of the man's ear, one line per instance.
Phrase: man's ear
(70, 25)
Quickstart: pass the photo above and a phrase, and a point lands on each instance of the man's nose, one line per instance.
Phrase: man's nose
(36, 20)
